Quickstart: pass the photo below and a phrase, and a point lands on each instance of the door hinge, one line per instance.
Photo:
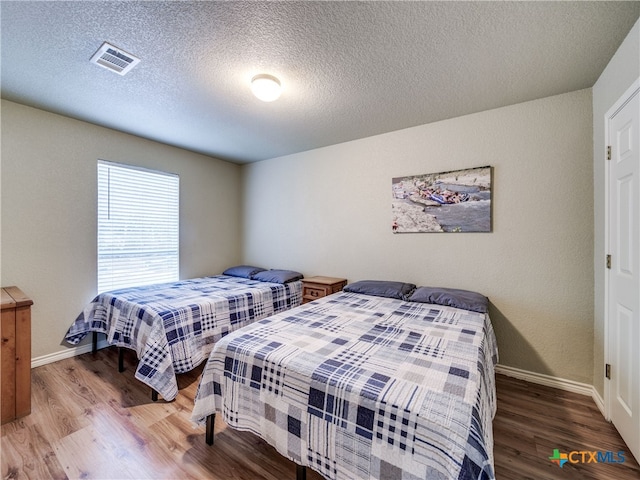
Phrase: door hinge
(609, 261)
(607, 371)
(608, 152)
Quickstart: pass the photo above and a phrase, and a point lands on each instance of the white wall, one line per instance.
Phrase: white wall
(49, 189)
(328, 212)
(623, 69)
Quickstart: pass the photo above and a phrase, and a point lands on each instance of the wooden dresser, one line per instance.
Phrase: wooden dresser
(15, 354)
(318, 287)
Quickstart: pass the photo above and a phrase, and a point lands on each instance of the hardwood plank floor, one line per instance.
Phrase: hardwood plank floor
(533, 420)
(89, 421)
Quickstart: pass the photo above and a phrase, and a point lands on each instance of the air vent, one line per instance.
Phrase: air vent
(114, 59)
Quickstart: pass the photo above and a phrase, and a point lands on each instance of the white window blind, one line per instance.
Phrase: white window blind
(138, 225)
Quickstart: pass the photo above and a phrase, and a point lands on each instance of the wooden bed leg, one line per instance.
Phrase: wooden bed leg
(120, 359)
(94, 344)
(154, 395)
(211, 420)
(301, 472)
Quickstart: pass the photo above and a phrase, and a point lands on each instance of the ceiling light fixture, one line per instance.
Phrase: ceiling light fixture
(266, 87)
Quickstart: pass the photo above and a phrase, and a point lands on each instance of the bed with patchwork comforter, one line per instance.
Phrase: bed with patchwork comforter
(359, 387)
(173, 326)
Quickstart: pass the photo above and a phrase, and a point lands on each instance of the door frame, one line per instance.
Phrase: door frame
(613, 110)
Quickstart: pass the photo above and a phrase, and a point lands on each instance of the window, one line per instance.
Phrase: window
(137, 226)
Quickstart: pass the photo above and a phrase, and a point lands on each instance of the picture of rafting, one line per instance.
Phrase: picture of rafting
(457, 201)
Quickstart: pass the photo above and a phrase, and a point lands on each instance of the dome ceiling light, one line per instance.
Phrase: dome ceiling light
(266, 87)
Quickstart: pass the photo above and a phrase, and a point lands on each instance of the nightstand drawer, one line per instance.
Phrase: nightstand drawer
(313, 292)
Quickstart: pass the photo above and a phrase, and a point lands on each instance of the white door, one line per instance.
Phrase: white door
(623, 314)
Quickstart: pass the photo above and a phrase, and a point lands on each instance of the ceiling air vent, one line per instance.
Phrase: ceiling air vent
(114, 59)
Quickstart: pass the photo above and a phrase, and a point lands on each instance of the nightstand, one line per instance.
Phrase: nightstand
(318, 287)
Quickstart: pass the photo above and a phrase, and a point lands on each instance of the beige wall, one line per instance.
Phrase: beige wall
(623, 69)
(48, 209)
(328, 212)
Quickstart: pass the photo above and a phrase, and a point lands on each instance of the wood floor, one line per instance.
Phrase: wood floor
(90, 422)
(533, 420)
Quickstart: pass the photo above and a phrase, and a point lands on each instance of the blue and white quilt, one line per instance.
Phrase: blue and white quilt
(173, 326)
(362, 387)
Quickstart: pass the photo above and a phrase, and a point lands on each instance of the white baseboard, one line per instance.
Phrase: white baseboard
(599, 403)
(67, 353)
(555, 382)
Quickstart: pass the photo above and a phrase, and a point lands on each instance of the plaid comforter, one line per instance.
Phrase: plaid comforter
(360, 387)
(173, 326)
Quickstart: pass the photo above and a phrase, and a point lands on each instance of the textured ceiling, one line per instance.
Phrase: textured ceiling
(349, 69)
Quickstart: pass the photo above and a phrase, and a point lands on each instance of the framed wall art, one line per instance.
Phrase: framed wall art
(456, 201)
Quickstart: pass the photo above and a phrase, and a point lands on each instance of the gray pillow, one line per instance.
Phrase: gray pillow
(246, 271)
(381, 288)
(278, 276)
(451, 297)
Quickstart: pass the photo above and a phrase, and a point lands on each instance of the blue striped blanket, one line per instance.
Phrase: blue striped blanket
(362, 387)
(173, 326)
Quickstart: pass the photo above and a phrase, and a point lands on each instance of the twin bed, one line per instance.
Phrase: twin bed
(382, 380)
(173, 326)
